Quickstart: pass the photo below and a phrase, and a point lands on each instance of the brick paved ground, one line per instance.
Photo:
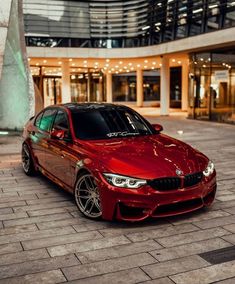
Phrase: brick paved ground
(43, 238)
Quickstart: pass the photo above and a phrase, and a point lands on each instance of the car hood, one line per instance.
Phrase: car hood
(147, 156)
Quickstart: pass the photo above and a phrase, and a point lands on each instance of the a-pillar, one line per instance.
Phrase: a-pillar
(185, 77)
(139, 87)
(66, 91)
(109, 88)
(165, 86)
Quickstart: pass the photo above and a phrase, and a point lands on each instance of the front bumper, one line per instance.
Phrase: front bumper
(139, 204)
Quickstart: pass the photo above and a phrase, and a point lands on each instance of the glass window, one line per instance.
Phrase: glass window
(38, 119)
(47, 119)
(109, 123)
(61, 121)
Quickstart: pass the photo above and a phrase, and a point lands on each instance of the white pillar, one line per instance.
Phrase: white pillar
(139, 87)
(109, 89)
(184, 93)
(66, 92)
(165, 86)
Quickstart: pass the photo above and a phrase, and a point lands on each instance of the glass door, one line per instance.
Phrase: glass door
(51, 90)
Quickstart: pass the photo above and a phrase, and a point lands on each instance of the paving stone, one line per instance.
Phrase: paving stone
(64, 239)
(8, 248)
(83, 227)
(230, 238)
(49, 277)
(158, 233)
(215, 222)
(226, 197)
(36, 235)
(38, 219)
(174, 266)
(163, 280)
(6, 210)
(230, 210)
(87, 245)
(48, 211)
(107, 266)
(227, 281)
(130, 276)
(12, 204)
(197, 216)
(230, 228)
(23, 256)
(18, 229)
(206, 275)
(37, 266)
(41, 206)
(117, 251)
(62, 223)
(181, 239)
(120, 229)
(189, 249)
(47, 200)
(14, 216)
(18, 198)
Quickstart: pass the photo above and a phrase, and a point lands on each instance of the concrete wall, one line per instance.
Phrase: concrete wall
(16, 85)
(202, 42)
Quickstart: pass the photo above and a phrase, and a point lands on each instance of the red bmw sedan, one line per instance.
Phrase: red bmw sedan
(117, 165)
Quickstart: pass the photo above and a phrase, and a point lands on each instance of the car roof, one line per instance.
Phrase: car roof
(91, 106)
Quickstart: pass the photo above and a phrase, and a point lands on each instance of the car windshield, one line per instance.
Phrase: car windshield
(95, 124)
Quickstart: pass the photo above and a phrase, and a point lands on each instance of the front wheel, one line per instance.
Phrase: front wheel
(87, 196)
(27, 161)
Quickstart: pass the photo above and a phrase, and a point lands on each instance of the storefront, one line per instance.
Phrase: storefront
(212, 86)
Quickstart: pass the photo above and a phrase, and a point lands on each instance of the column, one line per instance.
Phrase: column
(165, 86)
(66, 92)
(88, 86)
(139, 87)
(185, 79)
(109, 89)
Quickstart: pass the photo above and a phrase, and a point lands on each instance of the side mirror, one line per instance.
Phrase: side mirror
(58, 134)
(157, 127)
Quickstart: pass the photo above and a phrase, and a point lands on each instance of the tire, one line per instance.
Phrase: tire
(87, 196)
(27, 161)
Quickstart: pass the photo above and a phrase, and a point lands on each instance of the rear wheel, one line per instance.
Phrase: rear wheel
(27, 161)
(87, 196)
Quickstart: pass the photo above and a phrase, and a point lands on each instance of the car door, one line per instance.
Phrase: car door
(41, 133)
(57, 156)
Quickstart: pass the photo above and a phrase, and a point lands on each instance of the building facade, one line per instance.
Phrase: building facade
(165, 54)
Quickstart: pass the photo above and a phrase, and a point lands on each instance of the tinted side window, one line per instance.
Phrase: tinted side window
(61, 121)
(38, 119)
(47, 119)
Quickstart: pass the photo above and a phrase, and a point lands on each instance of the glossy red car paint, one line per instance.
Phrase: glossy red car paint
(149, 157)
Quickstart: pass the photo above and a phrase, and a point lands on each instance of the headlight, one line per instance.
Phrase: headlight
(209, 169)
(123, 181)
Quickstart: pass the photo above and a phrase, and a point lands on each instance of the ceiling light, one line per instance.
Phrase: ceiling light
(73, 64)
(60, 62)
(29, 59)
(85, 61)
(173, 60)
(145, 61)
(154, 63)
(116, 66)
(160, 64)
(145, 67)
(107, 60)
(37, 64)
(120, 62)
(45, 61)
(70, 59)
(130, 64)
(125, 67)
(179, 62)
